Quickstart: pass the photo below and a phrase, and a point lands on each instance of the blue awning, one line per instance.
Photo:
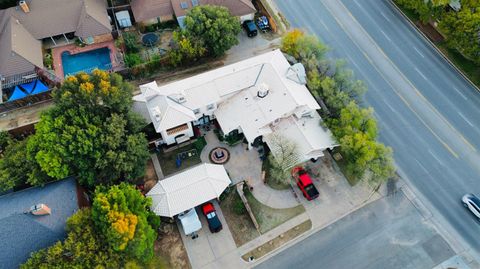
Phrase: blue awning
(28, 87)
(17, 94)
(39, 87)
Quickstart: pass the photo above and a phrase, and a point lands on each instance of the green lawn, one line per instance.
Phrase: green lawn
(168, 160)
(269, 218)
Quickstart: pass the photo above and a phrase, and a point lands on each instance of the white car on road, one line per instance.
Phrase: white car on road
(472, 202)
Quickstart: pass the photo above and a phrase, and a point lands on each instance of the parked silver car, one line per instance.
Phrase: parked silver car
(472, 202)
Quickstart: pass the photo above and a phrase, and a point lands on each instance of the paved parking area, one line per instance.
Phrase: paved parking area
(208, 247)
(249, 47)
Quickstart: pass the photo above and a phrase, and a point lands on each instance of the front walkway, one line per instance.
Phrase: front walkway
(246, 165)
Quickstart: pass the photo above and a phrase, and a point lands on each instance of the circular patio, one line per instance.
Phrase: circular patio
(219, 155)
(150, 39)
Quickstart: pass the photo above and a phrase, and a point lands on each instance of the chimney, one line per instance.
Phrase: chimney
(262, 90)
(23, 4)
(40, 209)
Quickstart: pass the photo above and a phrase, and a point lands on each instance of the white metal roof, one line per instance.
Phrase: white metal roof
(188, 189)
(309, 136)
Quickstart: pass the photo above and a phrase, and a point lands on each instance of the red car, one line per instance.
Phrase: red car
(214, 223)
(304, 182)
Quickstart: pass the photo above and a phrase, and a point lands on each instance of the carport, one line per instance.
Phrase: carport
(188, 189)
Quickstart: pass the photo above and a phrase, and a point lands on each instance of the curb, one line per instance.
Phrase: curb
(412, 24)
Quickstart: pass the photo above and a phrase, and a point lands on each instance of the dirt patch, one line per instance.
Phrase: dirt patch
(278, 241)
(430, 32)
(241, 226)
(170, 247)
(150, 178)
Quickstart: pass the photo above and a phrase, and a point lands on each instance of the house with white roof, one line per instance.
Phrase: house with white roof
(259, 97)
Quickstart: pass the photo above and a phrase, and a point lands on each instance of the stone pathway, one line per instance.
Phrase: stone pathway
(156, 165)
(246, 165)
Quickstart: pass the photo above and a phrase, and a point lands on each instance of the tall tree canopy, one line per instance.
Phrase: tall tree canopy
(91, 133)
(122, 214)
(214, 26)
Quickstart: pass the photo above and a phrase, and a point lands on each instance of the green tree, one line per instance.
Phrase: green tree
(354, 119)
(91, 133)
(305, 48)
(426, 10)
(14, 169)
(462, 29)
(122, 214)
(214, 26)
(185, 49)
(84, 247)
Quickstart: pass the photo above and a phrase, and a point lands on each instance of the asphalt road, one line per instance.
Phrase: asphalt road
(427, 112)
(389, 231)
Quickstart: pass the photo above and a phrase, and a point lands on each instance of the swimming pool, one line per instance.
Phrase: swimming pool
(86, 61)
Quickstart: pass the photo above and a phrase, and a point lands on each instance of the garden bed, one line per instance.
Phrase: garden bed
(168, 160)
(278, 241)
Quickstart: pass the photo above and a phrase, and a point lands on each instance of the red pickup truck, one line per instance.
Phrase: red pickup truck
(304, 182)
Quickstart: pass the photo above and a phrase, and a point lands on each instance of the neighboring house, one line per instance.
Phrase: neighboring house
(259, 97)
(22, 232)
(153, 11)
(23, 30)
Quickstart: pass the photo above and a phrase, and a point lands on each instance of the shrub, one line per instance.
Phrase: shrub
(239, 207)
(132, 59)
(131, 42)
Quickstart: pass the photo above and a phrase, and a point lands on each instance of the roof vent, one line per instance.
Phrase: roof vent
(262, 90)
(40, 209)
(157, 113)
(179, 98)
(24, 6)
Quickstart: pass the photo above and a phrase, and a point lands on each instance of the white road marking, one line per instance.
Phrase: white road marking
(385, 16)
(324, 25)
(421, 166)
(464, 118)
(459, 92)
(415, 48)
(386, 36)
(391, 108)
(435, 157)
(421, 74)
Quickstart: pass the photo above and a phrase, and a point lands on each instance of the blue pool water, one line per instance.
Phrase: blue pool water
(86, 61)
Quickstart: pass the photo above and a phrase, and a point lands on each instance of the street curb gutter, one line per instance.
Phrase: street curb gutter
(308, 233)
(412, 24)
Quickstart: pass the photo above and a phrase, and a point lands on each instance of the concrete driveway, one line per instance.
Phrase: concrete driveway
(208, 247)
(249, 47)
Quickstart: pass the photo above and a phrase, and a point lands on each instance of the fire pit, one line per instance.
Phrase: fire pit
(219, 155)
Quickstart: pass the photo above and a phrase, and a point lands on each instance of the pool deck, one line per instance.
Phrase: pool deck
(74, 49)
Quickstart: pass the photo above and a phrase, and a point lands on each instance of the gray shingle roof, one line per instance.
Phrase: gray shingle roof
(21, 234)
(20, 32)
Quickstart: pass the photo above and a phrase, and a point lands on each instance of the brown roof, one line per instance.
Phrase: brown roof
(20, 48)
(20, 52)
(150, 9)
(53, 17)
(236, 7)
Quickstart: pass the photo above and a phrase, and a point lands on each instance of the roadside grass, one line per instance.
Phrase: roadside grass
(168, 160)
(269, 218)
(241, 226)
(468, 67)
(278, 241)
(271, 182)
